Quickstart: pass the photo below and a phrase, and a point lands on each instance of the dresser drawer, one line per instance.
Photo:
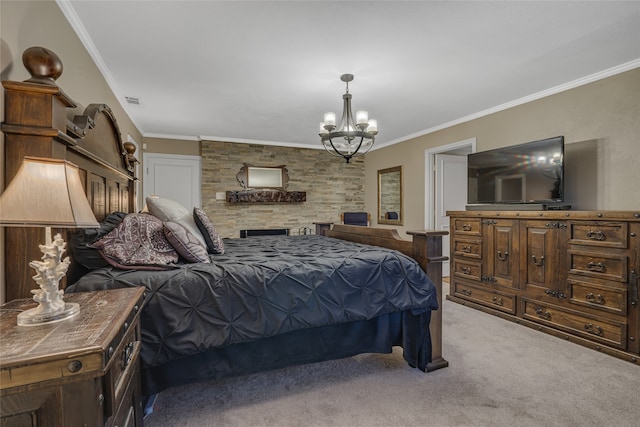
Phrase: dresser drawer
(499, 300)
(466, 269)
(603, 298)
(599, 265)
(598, 233)
(467, 248)
(606, 331)
(467, 226)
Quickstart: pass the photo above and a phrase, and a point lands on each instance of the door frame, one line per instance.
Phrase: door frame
(429, 179)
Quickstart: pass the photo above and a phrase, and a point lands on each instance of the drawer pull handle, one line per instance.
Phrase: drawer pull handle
(74, 366)
(502, 257)
(127, 355)
(596, 299)
(466, 249)
(466, 292)
(497, 301)
(594, 329)
(596, 266)
(466, 270)
(596, 235)
(536, 262)
(555, 293)
(466, 227)
(542, 313)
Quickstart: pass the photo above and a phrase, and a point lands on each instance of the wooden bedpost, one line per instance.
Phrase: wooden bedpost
(427, 251)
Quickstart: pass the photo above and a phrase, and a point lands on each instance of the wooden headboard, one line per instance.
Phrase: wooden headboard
(42, 121)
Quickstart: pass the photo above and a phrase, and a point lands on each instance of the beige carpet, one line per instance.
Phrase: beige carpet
(500, 374)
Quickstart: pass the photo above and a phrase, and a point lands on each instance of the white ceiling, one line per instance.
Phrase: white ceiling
(267, 71)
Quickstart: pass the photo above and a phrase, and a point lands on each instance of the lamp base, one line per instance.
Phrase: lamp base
(31, 318)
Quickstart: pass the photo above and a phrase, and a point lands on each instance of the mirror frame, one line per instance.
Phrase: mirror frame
(279, 174)
(381, 218)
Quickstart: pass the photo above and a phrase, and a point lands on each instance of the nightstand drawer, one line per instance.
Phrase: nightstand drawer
(52, 370)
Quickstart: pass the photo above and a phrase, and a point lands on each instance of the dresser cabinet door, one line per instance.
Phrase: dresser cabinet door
(541, 259)
(501, 254)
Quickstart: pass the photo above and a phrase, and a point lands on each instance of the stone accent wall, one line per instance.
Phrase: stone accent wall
(332, 187)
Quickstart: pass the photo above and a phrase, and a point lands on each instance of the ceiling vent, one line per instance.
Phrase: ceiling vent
(132, 100)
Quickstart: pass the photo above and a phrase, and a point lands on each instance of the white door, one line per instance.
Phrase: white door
(174, 177)
(450, 194)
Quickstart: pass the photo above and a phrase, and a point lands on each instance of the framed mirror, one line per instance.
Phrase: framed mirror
(263, 177)
(390, 207)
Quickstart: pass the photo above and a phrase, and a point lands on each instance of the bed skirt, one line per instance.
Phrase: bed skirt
(379, 335)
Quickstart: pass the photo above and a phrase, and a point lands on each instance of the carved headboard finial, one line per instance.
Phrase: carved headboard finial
(44, 65)
(130, 158)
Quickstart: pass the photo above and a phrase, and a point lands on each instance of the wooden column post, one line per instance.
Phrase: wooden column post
(427, 250)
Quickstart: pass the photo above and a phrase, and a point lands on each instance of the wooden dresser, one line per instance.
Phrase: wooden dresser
(573, 274)
(81, 371)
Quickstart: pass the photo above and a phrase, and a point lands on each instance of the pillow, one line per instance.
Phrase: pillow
(85, 258)
(187, 245)
(79, 242)
(168, 210)
(138, 242)
(209, 232)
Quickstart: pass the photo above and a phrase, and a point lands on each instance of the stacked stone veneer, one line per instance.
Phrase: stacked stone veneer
(332, 187)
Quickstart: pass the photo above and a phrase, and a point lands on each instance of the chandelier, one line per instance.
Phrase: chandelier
(352, 137)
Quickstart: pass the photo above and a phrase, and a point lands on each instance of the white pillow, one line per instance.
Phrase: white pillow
(169, 210)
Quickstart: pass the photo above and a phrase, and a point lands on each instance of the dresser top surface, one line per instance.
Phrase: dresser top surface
(550, 214)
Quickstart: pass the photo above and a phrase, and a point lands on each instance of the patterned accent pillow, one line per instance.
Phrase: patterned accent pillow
(187, 245)
(169, 210)
(209, 232)
(138, 242)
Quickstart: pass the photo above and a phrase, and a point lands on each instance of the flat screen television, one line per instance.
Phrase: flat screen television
(527, 173)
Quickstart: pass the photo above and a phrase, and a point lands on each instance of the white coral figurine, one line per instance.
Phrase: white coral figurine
(50, 270)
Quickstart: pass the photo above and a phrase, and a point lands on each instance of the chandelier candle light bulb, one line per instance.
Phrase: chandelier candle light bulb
(362, 118)
(329, 119)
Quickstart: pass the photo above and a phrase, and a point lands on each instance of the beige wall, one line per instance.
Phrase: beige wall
(41, 23)
(171, 146)
(601, 125)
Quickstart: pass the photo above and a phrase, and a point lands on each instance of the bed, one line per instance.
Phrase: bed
(371, 291)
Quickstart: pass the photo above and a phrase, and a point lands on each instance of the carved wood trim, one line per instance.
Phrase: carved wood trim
(266, 196)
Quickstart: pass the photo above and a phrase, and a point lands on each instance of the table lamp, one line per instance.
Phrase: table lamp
(47, 193)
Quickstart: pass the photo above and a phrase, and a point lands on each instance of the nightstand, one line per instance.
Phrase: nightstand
(80, 371)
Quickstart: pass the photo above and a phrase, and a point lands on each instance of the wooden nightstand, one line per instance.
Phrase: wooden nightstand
(80, 371)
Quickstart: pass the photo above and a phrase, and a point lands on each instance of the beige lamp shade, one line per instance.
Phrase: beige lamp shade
(46, 193)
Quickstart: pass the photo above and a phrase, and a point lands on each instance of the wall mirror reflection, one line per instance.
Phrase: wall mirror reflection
(390, 196)
(263, 177)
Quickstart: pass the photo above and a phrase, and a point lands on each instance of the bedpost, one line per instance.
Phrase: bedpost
(427, 251)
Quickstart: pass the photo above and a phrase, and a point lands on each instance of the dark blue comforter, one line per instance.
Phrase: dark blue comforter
(266, 286)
